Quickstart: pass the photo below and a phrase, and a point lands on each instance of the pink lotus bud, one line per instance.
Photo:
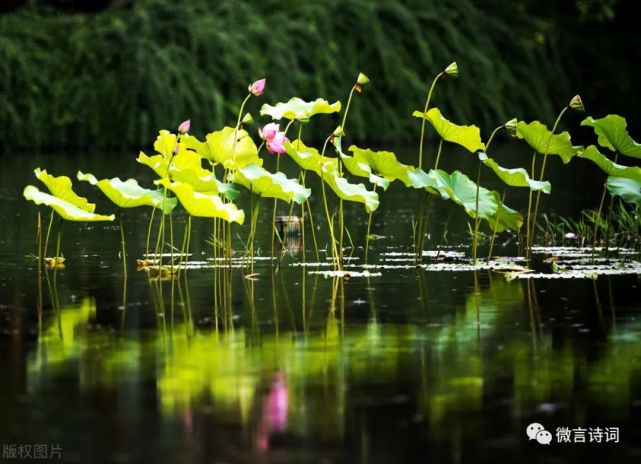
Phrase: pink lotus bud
(184, 126)
(257, 88)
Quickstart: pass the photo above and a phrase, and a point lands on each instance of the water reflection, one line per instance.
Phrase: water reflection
(290, 363)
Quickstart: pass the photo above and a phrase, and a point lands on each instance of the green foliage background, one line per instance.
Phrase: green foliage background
(111, 78)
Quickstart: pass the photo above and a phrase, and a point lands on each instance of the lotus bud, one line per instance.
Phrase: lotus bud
(184, 126)
(577, 104)
(257, 88)
(362, 79)
(452, 69)
(247, 119)
(510, 126)
(338, 132)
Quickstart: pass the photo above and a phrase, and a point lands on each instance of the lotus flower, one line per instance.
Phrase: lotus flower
(257, 88)
(184, 126)
(273, 137)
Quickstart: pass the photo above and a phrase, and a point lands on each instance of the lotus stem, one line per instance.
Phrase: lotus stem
(39, 244)
(240, 115)
(597, 220)
(489, 255)
(477, 220)
(48, 233)
(438, 154)
(312, 227)
(545, 156)
(274, 212)
(330, 222)
(529, 211)
(369, 228)
(122, 244)
(427, 104)
(153, 212)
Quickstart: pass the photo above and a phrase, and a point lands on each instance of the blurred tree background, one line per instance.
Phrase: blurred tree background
(108, 74)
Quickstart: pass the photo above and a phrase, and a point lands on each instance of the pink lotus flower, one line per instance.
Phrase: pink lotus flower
(257, 88)
(273, 137)
(184, 126)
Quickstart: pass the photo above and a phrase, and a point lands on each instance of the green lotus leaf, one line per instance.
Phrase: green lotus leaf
(628, 189)
(613, 134)
(517, 177)
(469, 137)
(203, 204)
(221, 148)
(387, 165)
(349, 192)
(326, 168)
(359, 169)
(65, 209)
(309, 159)
(462, 190)
(187, 167)
(541, 140)
(128, 194)
(61, 187)
(299, 109)
(265, 184)
(505, 218)
(610, 167)
(157, 163)
(165, 144)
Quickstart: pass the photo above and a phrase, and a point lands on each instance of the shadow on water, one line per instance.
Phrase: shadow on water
(284, 365)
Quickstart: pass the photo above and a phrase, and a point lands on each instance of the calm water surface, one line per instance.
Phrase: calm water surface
(409, 366)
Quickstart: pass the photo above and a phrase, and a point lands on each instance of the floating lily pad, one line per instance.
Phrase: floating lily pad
(128, 194)
(65, 209)
(299, 109)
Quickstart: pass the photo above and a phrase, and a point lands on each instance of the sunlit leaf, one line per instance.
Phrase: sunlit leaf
(203, 204)
(387, 165)
(299, 109)
(157, 163)
(541, 140)
(326, 168)
(628, 189)
(128, 194)
(221, 148)
(355, 168)
(165, 144)
(187, 167)
(61, 187)
(265, 184)
(66, 210)
(468, 137)
(517, 177)
(350, 192)
(462, 190)
(308, 158)
(613, 134)
(610, 167)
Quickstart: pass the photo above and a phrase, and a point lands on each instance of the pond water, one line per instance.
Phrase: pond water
(410, 365)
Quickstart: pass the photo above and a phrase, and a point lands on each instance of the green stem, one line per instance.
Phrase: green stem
(438, 154)
(151, 221)
(122, 243)
(545, 156)
(427, 104)
(477, 220)
(240, 115)
(349, 101)
(48, 233)
(529, 211)
(489, 255)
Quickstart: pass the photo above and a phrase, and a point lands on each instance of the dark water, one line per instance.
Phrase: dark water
(409, 366)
